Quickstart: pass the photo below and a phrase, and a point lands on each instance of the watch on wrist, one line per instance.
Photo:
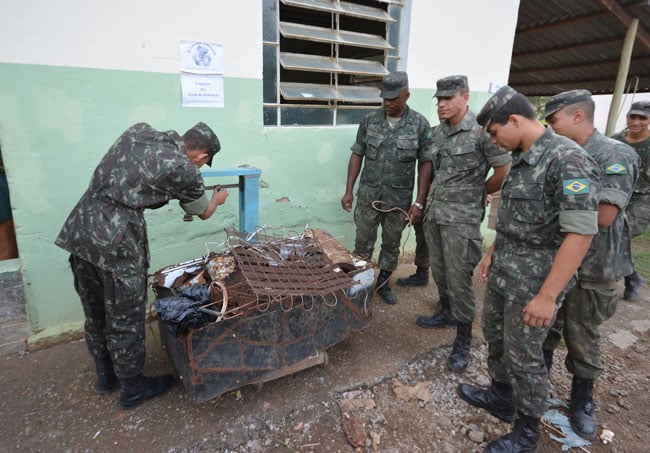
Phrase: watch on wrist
(418, 205)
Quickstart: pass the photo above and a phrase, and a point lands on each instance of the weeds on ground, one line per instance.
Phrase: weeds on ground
(641, 254)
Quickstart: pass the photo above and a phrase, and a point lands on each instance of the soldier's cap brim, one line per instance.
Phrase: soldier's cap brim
(391, 94)
(643, 113)
(494, 105)
(445, 93)
(565, 99)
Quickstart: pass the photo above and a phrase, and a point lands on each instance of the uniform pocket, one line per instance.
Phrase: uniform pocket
(463, 158)
(373, 143)
(407, 148)
(527, 202)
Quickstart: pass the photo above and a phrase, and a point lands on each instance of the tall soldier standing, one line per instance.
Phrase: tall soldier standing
(546, 220)
(390, 143)
(594, 298)
(106, 237)
(637, 135)
(463, 156)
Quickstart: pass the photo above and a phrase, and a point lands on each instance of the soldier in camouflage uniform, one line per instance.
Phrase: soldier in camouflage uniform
(390, 143)
(106, 237)
(594, 298)
(546, 220)
(637, 135)
(462, 156)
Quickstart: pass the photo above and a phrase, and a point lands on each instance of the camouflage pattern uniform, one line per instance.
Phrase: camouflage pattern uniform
(421, 259)
(551, 189)
(106, 236)
(388, 176)
(462, 158)
(594, 299)
(638, 210)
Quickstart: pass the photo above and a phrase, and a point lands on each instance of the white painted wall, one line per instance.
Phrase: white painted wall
(472, 37)
(113, 35)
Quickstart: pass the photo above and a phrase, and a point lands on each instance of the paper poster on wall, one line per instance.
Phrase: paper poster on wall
(202, 90)
(201, 57)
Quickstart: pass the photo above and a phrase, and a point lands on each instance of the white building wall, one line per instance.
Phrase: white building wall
(113, 35)
(472, 37)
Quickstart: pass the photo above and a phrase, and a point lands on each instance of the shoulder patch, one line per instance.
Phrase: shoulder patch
(430, 133)
(575, 186)
(615, 168)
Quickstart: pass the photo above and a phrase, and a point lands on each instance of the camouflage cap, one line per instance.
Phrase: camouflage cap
(211, 138)
(559, 101)
(448, 86)
(641, 108)
(494, 104)
(393, 83)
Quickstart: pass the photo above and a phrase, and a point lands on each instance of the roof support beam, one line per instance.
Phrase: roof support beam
(624, 18)
(621, 76)
(612, 61)
(567, 21)
(575, 45)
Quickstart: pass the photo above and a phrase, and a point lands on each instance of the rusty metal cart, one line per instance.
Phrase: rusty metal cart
(272, 305)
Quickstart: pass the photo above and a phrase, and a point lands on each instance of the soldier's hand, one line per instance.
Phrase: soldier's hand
(220, 195)
(346, 202)
(414, 215)
(539, 311)
(483, 267)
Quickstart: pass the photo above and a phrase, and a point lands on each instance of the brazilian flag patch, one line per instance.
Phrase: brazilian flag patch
(615, 169)
(576, 186)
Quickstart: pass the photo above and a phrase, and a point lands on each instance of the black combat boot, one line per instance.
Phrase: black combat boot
(106, 379)
(524, 437)
(582, 417)
(420, 278)
(458, 359)
(137, 389)
(383, 288)
(497, 400)
(548, 359)
(632, 286)
(441, 319)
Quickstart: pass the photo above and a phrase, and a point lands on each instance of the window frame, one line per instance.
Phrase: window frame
(299, 102)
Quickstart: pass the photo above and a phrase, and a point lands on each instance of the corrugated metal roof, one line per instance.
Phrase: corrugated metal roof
(567, 44)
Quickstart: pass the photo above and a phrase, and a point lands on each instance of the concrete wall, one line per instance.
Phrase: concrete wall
(75, 74)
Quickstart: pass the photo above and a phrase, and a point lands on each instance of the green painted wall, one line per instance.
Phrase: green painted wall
(57, 122)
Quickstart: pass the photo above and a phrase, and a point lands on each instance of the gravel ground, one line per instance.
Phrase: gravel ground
(386, 389)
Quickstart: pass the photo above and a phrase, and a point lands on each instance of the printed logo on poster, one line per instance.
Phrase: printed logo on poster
(200, 57)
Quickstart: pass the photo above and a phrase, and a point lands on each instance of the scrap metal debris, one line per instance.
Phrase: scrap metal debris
(256, 271)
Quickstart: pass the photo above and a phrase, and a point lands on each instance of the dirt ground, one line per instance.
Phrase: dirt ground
(389, 385)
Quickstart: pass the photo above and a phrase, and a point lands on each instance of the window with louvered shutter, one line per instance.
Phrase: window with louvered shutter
(324, 59)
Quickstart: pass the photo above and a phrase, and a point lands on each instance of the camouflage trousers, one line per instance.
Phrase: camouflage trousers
(115, 308)
(454, 252)
(421, 248)
(638, 213)
(367, 220)
(515, 350)
(585, 308)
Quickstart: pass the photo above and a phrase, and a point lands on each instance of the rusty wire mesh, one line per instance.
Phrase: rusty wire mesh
(278, 266)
